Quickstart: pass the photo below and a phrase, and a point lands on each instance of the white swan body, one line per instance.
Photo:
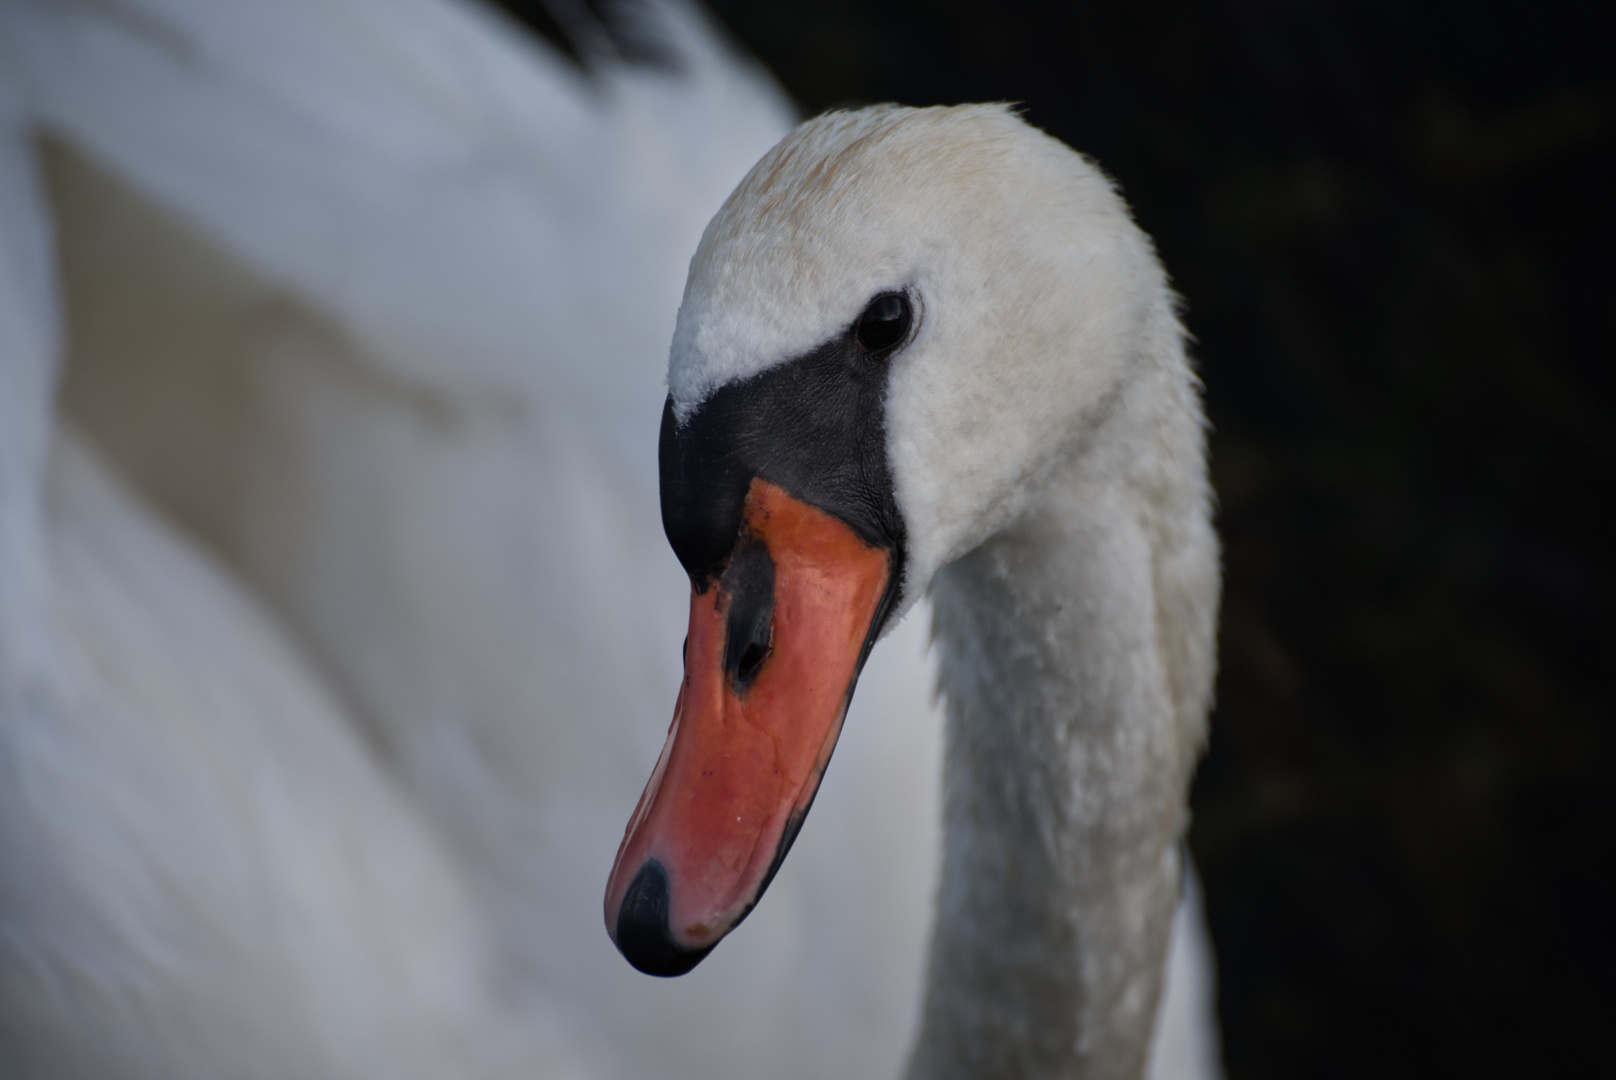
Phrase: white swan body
(399, 366)
(369, 297)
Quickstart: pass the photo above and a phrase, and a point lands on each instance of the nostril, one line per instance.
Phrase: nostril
(749, 581)
(756, 651)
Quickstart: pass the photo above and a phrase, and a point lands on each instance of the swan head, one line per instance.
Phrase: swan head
(892, 330)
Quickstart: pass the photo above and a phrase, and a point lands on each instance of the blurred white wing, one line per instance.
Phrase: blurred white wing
(370, 298)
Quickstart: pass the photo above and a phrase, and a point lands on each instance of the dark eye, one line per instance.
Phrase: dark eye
(884, 323)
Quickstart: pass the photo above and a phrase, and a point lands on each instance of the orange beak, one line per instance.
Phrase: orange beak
(776, 644)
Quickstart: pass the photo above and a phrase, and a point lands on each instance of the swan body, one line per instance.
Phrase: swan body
(336, 625)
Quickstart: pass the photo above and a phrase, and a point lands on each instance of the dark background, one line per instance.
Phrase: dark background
(1391, 225)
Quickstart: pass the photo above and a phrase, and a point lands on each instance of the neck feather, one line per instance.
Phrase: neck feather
(1075, 653)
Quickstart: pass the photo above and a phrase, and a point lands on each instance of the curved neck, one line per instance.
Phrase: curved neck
(1075, 655)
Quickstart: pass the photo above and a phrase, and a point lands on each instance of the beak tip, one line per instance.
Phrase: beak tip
(642, 927)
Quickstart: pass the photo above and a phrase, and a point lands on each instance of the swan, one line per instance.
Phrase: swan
(334, 606)
(928, 349)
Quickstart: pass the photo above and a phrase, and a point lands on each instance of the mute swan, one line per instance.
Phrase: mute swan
(368, 297)
(929, 348)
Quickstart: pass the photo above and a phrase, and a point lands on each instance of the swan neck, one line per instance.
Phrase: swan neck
(1074, 655)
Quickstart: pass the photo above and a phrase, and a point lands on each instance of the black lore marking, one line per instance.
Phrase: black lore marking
(642, 927)
(815, 426)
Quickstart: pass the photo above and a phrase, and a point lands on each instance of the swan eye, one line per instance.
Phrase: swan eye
(884, 323)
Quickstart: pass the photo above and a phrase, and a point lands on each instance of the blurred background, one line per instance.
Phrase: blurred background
(1391, 225)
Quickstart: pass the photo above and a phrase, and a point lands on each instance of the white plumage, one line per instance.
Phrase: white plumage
(322, 706)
